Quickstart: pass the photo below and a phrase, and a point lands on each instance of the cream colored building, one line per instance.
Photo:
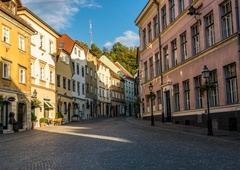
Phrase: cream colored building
(43, 58)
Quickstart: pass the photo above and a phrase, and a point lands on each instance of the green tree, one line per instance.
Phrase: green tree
(97, 51)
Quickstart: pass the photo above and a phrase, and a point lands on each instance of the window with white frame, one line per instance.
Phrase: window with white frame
(157, 63)
(6, 34)
(186, 94)
(183, 46)
(42, 73)
(75, 50)
(181, 6)
(226, 14)
(21, 42)
(78, 71)
(172, 10)
(155, 26)
(210, 40)
(174, 52)
(195, 39)
(78, 87)
(50, 47)
(231, 83)
(32, 69)
(151, 68)
(22, 75)
(41, 41)
(144, 38)
(214, 94)
(198, 96)
(149, 32)
(6, 70)
(51, 77)
(164, 18)
(74, 85)
(166, 58)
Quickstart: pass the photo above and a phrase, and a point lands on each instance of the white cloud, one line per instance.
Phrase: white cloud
(130, 39)
(58, 13)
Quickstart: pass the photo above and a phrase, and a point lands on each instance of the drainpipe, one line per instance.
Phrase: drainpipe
(160, 54)
(238, 27)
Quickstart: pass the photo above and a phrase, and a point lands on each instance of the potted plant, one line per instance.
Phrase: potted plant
(42, 122)
(59, 117)
(1, 128)
(34, 119)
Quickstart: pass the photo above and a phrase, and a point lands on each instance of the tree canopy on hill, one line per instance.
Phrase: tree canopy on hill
(119, 53)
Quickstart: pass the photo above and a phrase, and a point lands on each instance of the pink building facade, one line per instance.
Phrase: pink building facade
(173, 58)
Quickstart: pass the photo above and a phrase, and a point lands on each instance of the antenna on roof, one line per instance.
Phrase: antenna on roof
(90, 23)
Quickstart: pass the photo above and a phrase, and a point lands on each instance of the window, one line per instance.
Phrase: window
(149, 32)
(155, 26)
(91, 72)
(183, 46)
(32, 69)
(75, 50)
(186, 95)
(146, 71)
(158, 99)
(21, 43)
(214, 96)
(73, 67)
(41, 42)
(144, 38)
(176, 97)
(22, 75)
(151, 68)
(58, 80)
(64, 82)
(231, 83)
(87, 69)
(195, 39)
(6, 35)
(78, 87)
(210, 40)
(143, 106)
(79, 53)
(166, 59)
(172, 10)
(78, 72)
(83, 89)
(181, 6)
(82, 71)
(74, 85)
(197, 81)
(42, 73)
(69, 84)
(174, 52)
(157, 64)
(51, 77)
(50, 47)
(226, 11)
(164, 18)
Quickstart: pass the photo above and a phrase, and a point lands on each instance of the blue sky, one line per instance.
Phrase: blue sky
(112, 20)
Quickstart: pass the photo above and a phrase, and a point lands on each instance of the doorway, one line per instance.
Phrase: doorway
(21, 112)
(168, 106)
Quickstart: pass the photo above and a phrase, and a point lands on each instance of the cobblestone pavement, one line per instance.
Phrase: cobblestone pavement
(121, 144)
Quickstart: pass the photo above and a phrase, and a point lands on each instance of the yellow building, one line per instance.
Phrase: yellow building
(15, 84)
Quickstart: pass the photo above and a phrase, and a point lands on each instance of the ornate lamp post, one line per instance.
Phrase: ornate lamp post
(205, 74)
(151, 96)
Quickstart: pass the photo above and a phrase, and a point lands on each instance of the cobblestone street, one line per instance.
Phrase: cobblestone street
(119, 143)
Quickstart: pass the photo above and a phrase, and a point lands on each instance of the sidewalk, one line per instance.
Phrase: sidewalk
(231, 136)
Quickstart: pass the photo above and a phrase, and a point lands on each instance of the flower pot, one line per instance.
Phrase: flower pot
(42, 124)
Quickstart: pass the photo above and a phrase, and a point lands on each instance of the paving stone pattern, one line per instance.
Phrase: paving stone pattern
(119, 144)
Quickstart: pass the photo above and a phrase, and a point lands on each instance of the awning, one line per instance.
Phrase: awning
(48, 105)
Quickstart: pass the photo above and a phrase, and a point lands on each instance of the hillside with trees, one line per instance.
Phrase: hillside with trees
(119, 53)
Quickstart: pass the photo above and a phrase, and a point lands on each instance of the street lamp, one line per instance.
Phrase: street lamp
(151, 96)
(205, 74)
